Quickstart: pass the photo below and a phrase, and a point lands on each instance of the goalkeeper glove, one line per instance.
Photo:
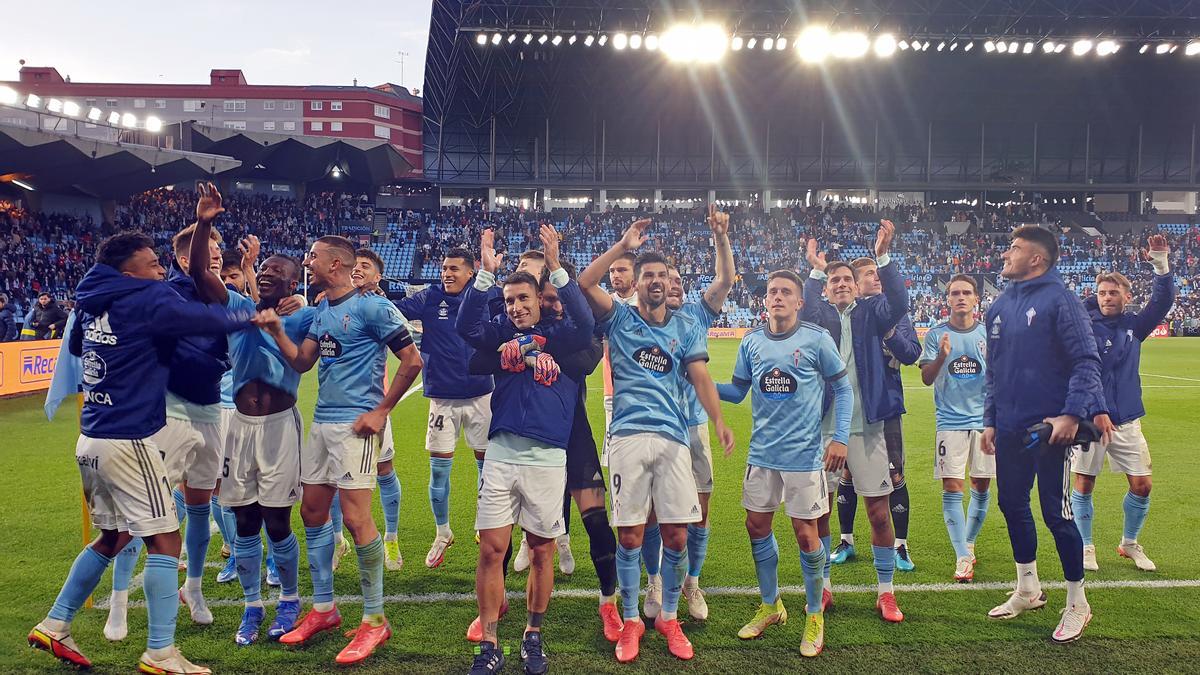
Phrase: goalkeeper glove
(512, 353)
(545, 368)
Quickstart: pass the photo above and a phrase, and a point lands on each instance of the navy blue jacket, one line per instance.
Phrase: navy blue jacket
(901, 349)
(519, 405)
(199, 361)
(1119, 340)
(443, 350)
(1042, 359)
(119, 336)
(870, 320)
(8, 325)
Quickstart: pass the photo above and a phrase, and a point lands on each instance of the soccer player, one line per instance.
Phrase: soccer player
(704, 312)
(125, 315)
(347, 335)
(458, 401)
(1119, 336)
(524, 470)
(858, 326)
(623, 290)
(954, 361)
(786, 365)
(239, 280)
(1042, 367)
(655, 353)
(900, 347)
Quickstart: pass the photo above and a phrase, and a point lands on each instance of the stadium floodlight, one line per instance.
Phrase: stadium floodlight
(903, 45)
(587, 41)
(129, 121)
(1002, 47)
(1013, 47)
(1173, 48)
(571, 40)
(885, 45)
(22, 184)
(528, 38)
(620, 41)
(969, 47)
(736, 43)
(714, 42)
(1060, 47)
(33, 101)
(635, 41)
(781, 44)
(953, 46)
(1106, 47)
(1145, 48)
(850, 45)
(813, 44)
(1192, 49)
(1081, 47)
(557, 40)
(1163, 48)
(542, 40)
(941, 46)
(153, 124)
(512, 37)
(114, 118)
(685, 43)
(603, 40)
(989, 46)
(752, 43)
(651, 43)
(481, 39)
(71, 109)
(94, 115)
(768, 44)
(1048, 47)
(9, 96)
(54, 105)
(1028, 48)
(496, 38)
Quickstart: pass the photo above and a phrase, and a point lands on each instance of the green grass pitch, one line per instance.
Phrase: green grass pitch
(1143, 627)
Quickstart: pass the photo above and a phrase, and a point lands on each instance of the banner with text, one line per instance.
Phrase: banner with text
(27, 366)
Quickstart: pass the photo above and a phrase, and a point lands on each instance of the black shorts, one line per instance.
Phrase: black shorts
(893, 437)
(583, 462)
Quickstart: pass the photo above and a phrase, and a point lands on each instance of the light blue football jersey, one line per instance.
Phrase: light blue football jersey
(704, 316)
(787, 374)
(227, 384)
(352, 333)
(649, 364)
(960, 387)
(256, 356)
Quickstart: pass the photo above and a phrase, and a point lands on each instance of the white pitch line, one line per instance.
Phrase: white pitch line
(430, 598)
(413, 389)
(1171, 377)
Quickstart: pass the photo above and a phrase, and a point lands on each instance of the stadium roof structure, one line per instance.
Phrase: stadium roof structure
(62, 164)
(320, 162)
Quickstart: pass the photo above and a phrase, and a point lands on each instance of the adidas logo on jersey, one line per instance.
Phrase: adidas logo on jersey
(98, 330)
(815, 507)
(556, 525)
(695, 510)
(347, 476)
(883, 485)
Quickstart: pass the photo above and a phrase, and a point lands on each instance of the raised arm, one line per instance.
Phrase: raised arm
(893, 305)
(208, 285)
(814, 284)
(718, 291)
(589, 280)
(471, 323)
(250, 247)
(1163, 295)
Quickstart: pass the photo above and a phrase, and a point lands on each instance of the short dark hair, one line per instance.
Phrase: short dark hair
(789, 275)
(44, 294)
(838, 264)
(967, 278)
(117, 249)
(648, 258)
(1042, 237)
(859, 263)
(522, 278)
(627, 255)
(463, 253)
(372, 256)
(342, 244)
(296, 264)
(231, 257)
(532, 254)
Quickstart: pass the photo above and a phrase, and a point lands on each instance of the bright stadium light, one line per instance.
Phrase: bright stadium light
(989, 46)
(635, 41)
(736, 43)
(1145, 48)
(1060, 47)
(969, 47)
(481, 39)
(850, 45)
(714, 40)
(542, 40)
(496, 38)
(587, 41)
(528, 38)
(94, 114)
(1028, 48)
(1013, 47)
(620, 41)
(1163, 48)
(1173, 48)
(885, 45)
(571, 40)
(1192, 49)
(768, 44)
(1048, 47)
(1002, 47)
(153, 124)
(129, 120)
(603, 40)
(8, 96)
(1081, 47)
(1106, 47)
(752, 43)
(33, 101)
(705, 43)
(114, 118)
(54, 105)
(22, 184)
(781, 44)
(71, 109)
(814, 44)
(941, 46)
(557, 40)
(903, 45)
(512, 37)
(651, 43)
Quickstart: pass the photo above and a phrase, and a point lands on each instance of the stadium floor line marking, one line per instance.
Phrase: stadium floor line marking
(412, 390)
(429, 598)
(1172, 377)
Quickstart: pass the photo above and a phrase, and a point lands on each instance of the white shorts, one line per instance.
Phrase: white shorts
(867, 461)
(1127, 453)
(647, 468)
(192, 452)
(956, 451)
(521, 494)
(226, 416)
(262, 460)
(702, 464)
(387, 442)
(804, 493)
(334, 455)
(450, 416)
(126, 486)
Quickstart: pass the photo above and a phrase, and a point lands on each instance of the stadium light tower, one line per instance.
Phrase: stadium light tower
(1106, 47)
(813, 44)
(851, 45)
(33, 101)
(1163, 48)
(94, 115)
(989, 46)
(885, 45)
(496, 38)
(620, 41)
(1048, 47)
(587, 41)
(54, 105)
(153, 124)
(736, 43)
(635, 41)
(1081, 47)
(1192, 49)
(651, 43)
(71, 109)
(481, 39)
(557, 40)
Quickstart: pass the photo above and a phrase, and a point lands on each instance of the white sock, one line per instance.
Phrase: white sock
(828, 584)
(255, 603)
(192, 584)
(323, 606)
(289, 598)
(668, 616)
(159, 653)
(654, 579)
(900, 542)
(389, 536)
(119, 599)
(1126, 542)
(885, 587)
(444, 530)
(691, 581)
(848, 538)
(1075, 595)
(563, 539)
(56, 625)
(1027, 579)
(608, 599)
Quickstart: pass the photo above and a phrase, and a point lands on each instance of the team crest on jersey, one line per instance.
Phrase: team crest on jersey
(655, 360)
(982, 347)
(443, 310)
(777, 385)
(996, 327)
(965, 368)
(1029, 314)
(345, 322)
(329, 346)
(673, 346)
(796, 356)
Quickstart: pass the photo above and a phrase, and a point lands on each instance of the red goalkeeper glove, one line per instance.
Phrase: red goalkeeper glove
(512, 353)
(545, 368)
